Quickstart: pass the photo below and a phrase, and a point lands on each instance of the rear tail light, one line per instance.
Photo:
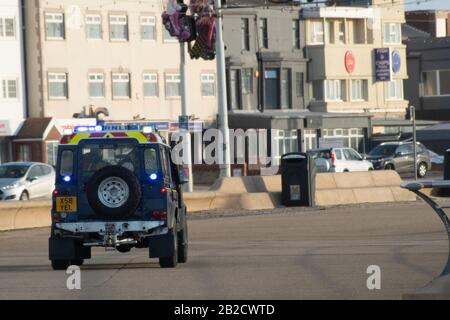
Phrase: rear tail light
(55, 193)
(162, 190)
(159, 214)
(333, 158)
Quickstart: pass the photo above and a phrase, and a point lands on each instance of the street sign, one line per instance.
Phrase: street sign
(396, 61)
(382, 64)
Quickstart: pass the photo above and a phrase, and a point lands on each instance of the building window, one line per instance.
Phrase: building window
(334, 90)
(392, 33)
(24, 152)
(351, 138)
(245, 34)
(148, 28)
(247, 80)
(359, 31)
(167, 37)
(173, 85)
(54, 26)
(121, 86)
(299, 84)
(52, 147)
(118, 26)
(7, 28)
(436, 83)
(208, 85)
(285, 142)
(285, 88)
(93, 26)
(235, 90)
(359, 90)
(316, 33)
(9, 89)
(394, 89)
(296, 33)
(317, 90)
(263, 35)
(96, 85)
(57, 86)
(310, 138)
(150, 84)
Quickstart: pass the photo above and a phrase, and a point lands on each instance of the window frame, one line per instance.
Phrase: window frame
(363, 94)
(120, 80)
(437, 89)
(389, 34)
(117, 22)
(150, 80)
(263, 33)
(171, 77)
(3, 29)
(96, 74)
(99, 23)
(5, 92)
(313, 33)
(245, 34)
(62, 22)
(295, 27)
(207, 78)
(56, 80)
(387, 91)
(143, 23)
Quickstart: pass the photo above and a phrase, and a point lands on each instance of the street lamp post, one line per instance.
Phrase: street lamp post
(412, 115)
(225, 170)
(185, 116)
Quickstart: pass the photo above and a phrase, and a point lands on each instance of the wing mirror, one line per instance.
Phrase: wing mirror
(31, 179)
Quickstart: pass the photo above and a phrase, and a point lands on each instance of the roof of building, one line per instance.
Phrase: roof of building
(33, 128)
(428, 43)
(411, 32)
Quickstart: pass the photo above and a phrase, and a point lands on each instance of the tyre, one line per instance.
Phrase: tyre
(422, 170)
(171, 262)
(123, 248)
(114, 192)
(183, 245)
(389, 166)
(24, 196)
(60, 264)
(77, 262)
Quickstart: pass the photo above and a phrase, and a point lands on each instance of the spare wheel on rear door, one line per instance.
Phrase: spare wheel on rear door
(114, 192)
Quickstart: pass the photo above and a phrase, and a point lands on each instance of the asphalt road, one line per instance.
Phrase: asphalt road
(279, 254)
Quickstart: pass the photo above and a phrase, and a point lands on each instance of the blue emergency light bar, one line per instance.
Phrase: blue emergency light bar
(115, 127)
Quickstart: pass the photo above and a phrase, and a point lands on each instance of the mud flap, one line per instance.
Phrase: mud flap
(161, 246)
(67, 249)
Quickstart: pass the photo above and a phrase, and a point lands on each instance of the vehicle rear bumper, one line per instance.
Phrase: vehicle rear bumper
(102, 227)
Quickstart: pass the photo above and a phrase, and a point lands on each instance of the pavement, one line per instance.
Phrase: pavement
(286, 253)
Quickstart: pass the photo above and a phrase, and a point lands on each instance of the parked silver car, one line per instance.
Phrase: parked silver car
(339, 160)
(26, 180)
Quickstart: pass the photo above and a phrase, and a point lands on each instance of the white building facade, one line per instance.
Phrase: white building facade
(12, 75)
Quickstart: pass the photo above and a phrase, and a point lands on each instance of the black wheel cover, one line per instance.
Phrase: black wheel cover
(127, 208)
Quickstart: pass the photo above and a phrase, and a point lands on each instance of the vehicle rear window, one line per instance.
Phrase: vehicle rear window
(383, 150)
(12, 172)
(66, 168)
(97, 156)
(325, 154)
(151, 160)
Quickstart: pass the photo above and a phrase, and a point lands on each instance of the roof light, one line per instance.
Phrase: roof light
(67, 178)
(67, 131)
(96, 128)
(147, 129)
(153, 176)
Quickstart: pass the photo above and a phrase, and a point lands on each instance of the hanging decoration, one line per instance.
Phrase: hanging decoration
(199, 26)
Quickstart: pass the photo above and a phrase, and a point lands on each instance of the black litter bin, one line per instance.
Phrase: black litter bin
(447, 165)
(298, 177)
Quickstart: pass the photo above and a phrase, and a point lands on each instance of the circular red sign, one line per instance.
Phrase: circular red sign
(350, 62)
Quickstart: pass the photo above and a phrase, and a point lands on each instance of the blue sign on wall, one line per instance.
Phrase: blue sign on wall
(382, 64)
(396, 61)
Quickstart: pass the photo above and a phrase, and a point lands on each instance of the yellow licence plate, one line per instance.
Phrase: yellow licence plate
(66, 204)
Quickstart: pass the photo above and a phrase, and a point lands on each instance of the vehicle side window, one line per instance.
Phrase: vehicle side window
(338, 154)
(45, 170)
(355, 155)
(150, 160)
(347, 154)
(165, 164)
(66, 168)
(421, 149)
(35, 172)
(405, 149)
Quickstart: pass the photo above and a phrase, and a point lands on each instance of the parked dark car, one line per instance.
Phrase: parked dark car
(399, 156)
